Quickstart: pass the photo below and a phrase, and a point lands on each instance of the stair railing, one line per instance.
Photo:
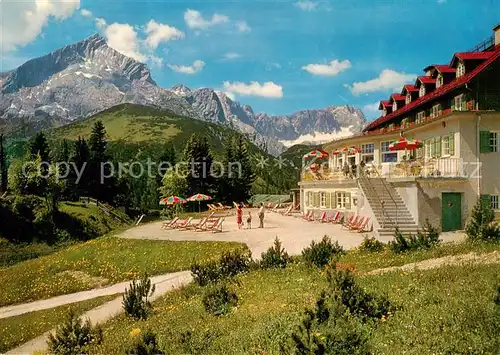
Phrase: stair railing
(384, 183)
(367, 183)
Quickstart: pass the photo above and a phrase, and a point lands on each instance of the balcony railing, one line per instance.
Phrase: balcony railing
(429, 168)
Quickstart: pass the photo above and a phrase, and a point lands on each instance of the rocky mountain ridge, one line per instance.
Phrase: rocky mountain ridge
(87, 77)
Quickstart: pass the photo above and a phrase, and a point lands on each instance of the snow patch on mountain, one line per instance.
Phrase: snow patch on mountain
(319, 137)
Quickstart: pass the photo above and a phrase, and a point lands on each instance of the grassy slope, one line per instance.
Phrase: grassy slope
(446, 309)
(11, 253)
(97, 262)
(17, 330)
(296, 152)
(134, 129)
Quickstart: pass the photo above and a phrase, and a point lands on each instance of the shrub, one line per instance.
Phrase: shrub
(371, 245)
(230, 264)
(497, 299)
(235, 262)
(73, 337)
(481, 224)
(319, 254)
(425, 239)
(144, 344)
(337, 324)
(328, 329)
(206, 273)
(135, 300)
(275, 257)
(351, 295)
(219, 300)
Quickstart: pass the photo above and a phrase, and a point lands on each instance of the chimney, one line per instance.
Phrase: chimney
(496, 30)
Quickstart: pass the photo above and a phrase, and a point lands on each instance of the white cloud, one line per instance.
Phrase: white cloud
(86, 13)
(272, 65)
(331, 69)
(23, 21)
(156, 61)
(268, 89)
(306, 5)
(158, 32)
(195, 20)
(232, 55)
(196, 67)
(372, 107)
(242, 26)
(123, 38)
(387, 80)
(100, 23)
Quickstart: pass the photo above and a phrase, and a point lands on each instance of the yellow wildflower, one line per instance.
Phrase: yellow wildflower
(135, 332)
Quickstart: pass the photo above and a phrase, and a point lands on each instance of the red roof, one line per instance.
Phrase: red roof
(409, 88)
(425, 80)
(470, 56)
(444, 68)
(495, 54)
(385, 103)
(398, 97)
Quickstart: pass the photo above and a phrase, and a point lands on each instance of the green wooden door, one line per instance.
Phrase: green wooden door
(451, 218)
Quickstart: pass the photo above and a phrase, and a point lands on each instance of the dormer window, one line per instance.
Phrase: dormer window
(394, 106)
(460, 69)
(385, 112)
(439, 80)
(436, 111)
(408, 98)
(421, 92)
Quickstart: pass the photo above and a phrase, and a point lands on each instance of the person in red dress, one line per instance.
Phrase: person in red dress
(239, 217)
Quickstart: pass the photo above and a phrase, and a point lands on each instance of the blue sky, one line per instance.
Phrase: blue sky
(277, 56)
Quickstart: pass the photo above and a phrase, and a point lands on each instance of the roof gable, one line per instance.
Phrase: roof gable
(442, 90)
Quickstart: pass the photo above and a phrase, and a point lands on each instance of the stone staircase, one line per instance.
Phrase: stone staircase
(388, 207)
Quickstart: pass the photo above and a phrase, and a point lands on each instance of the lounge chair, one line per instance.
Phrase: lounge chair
(194, 226)
(169, 224)
(336, 217)
(212, 207)
(217, 227)
(358, 223)
(222, 207)
(307, 216)
(353, 220)
(287, 211)
(322, 218)
(183, 223)
(209, 225)
(362, 226)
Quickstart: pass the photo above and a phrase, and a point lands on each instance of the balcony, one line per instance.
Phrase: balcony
(431, 168)
(425, 168)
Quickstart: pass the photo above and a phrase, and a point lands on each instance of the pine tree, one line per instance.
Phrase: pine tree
(80, 159)
(225, 186)
(3, 167)
(481, 223)
(97, 167)
(245, 177)
(167, 159)
(39, 146)
(199, 159)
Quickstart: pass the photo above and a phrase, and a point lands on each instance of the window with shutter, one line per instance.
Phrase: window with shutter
(437, 142)
(328, 200)
(485, 199)
(316, 199)
(347, 201)
(484, 142)
(452, 144)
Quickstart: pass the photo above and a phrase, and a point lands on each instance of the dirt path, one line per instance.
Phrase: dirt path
(101, 314)
(470, 258)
